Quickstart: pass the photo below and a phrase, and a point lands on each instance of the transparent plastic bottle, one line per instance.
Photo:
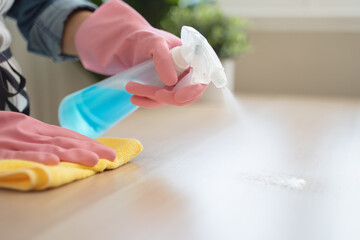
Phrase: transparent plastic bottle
(93, 110)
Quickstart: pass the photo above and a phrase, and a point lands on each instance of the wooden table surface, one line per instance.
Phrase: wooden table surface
(287, 170)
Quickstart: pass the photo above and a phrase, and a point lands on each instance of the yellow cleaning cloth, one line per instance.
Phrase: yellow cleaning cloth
(26, 175)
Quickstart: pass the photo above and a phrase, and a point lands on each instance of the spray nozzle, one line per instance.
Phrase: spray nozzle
(197, 53)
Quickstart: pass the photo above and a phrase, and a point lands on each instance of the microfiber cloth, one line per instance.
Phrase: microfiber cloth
(26, 175)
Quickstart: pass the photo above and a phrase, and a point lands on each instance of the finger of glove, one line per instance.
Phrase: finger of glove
(142, 90)
(171, 40)
(79, 156)
(99, 149)
(181, 97)
(39, 157)
(189, 93)
(164, 64)
(55, 131)
(145, 102)
(151, 97)
(191, 101)
(185, 103)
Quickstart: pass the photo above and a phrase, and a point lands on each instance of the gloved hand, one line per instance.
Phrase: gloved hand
(25, 138)
(116, 37)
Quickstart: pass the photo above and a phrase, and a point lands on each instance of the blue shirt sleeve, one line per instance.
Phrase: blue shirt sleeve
(42, 23)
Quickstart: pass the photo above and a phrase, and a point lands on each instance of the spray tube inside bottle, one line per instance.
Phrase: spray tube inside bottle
(93, 110)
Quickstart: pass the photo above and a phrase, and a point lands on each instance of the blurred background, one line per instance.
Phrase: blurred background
(292, 47)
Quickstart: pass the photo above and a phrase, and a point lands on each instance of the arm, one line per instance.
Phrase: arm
(71, 27)
(42, 23)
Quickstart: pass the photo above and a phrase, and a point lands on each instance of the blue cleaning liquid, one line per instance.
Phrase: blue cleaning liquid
(95, 109)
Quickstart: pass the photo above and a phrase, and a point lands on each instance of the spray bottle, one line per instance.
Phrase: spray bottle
(94, 109)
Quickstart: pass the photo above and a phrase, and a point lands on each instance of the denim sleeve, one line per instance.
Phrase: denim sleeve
(42, 23)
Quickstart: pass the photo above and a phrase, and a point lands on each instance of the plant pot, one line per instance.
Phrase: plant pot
(215, 94)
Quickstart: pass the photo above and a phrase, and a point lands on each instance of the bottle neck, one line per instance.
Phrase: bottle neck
(179, 60)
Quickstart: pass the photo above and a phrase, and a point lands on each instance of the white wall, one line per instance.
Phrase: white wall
(319, 15)
(299, 46)
(316, 63)
(276, 8)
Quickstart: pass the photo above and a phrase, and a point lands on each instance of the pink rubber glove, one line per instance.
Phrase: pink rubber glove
(25, 138)
(116, 37)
